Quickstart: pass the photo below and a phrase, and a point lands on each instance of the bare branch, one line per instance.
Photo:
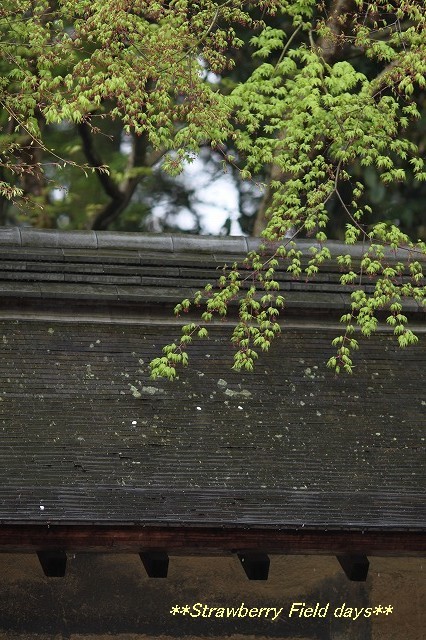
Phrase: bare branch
(124, 192)
(109, 185)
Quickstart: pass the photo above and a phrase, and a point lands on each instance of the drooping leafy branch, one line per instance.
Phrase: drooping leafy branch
(313, 119)
(309, 110)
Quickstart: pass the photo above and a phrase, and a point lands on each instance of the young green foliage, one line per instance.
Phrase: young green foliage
(315, 119)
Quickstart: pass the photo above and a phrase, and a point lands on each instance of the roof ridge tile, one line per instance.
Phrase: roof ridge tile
(218, 247)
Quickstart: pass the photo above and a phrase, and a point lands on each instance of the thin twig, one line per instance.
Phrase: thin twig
(288, 43)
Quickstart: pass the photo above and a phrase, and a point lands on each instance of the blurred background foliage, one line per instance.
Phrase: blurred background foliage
(65, 197)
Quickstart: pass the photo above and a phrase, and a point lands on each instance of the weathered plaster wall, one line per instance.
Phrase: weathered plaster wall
(110, 596)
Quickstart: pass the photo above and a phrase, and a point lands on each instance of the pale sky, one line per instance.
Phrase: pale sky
(217, 200)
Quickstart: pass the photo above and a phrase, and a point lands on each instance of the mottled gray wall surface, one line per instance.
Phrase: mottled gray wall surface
(110, 596)
(87, 436)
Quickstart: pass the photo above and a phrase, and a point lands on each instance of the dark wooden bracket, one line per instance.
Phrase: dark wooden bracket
(156, 563)
(53, 563)
(256, 565)
(355, 566)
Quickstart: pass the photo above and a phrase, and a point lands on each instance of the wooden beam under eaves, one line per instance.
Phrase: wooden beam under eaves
(53, 563)
(156, 563)
(355, 566)
(255, 565)
(185, 540)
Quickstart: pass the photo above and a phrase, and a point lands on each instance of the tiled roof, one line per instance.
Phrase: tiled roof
(105, 267)
(286, 446)
(87, 437)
